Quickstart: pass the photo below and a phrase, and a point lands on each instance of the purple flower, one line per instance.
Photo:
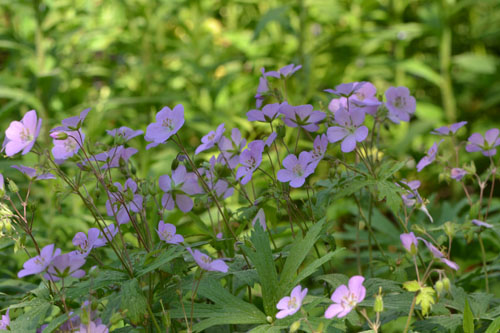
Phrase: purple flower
(410, 242)
(302, 116)
(411, 196)
(262, 89)
(350, 129)
(458, 174)
(110, 232)
(449, 130)
(207, 263)
(93, 327)
(430, 157)
(33, 173)
(64, 149)
(439, 255)
(65, 265)
(21, 135)
(211, 139)
(168, 122)
(485, 145)
(365, 99)
(291, 304)
(346, 89)
(231, 149)
(114, 155)
(284, 72)
(261, 218)
(270, 139)
(268, 114)
(482, 224)
(73, 123)
(222, 189)
(346, 298)
(250, 160)
(124, 132)
(400, 104)
(166, 232)
(127, 194)
(39, 263)
(319, 149)
(5, 322)
(177, 187)
(296, 170)
(87, 243)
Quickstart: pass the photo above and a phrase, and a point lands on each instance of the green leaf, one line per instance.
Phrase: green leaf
(262, 259)
(418, 68)
(312, 267)
(468, 323)
(133, 301)
(411, 285)
(494, 326)
(300, 249)
(425, 298)
(32, 317)
(164, 258)
(22, 96)
(389, 168)
(391, 193)
(56, 322)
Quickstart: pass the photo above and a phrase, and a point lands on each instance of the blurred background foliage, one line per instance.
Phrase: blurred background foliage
(128, 58)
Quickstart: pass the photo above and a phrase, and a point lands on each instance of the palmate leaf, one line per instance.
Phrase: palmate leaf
(439, 323)
(152, 263)
(133, 301)
(35, 311)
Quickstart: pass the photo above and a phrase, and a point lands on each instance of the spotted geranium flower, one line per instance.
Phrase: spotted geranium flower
(39, 263)
(65, 265)
(231, 149)
(87, 243)
(458, 174)
(124, 132)
(430, 157)
(177, 188)
(410, 242)
(93, 327)
(346, 298)
(113, 156)
(250, 160)
(486, 145)
(211, 139)
(21, 135)
(167, 233)
(296, 169)
(400, 104)
(132, 201)
(33, 173)
(284, 72)
(302, 116)
(168, 122)
(268, 114)
(449, 130)
(72, 123)
(319, 149)
(207, 263)
(350, 129)
(346, 89)
(5, 322)
(64, 149)
(289, 305)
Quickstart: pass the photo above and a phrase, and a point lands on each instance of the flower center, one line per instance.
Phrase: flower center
(297, 170)
(70, 144)
(167, 235)
(26, 135)
(206, 259)
(292, 303)
(350, 299)
(399, 102)
(168, 123)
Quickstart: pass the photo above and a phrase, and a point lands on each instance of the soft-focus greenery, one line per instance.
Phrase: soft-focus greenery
(128, 58)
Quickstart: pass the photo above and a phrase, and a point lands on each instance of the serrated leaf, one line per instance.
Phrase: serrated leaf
(313, 266)
(468, 322)
(425, 298)
(411, 285)
(133, 301)
(164, 258)
(30, 320)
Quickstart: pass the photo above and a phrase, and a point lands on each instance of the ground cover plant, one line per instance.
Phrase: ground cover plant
(262, 252)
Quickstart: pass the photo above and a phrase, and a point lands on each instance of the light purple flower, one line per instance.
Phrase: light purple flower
(127, 194)
(411, 197)
(302, 116)
(270, 139)
(110, 232)
(436, 253)
(346, 89)
(167, 233)
(177, 187)
(289, 305)
(284, 72)
(64, 149)
(261, 218)
(21, 135)
(114, 156)
(73, 123)
(207, 263)
(93, 327)
(346, 298)
(410, 242)
(268, 114)
(449, 130)
(364, 99)
(400, 103)
(319, 149)
(486, 145)
(250, 160)
(65, 265)
(87, 243)
(222, 189)
(33, 173)
(482, 224)
(296, 169)
(211, 139)
(458, 174)
(39, 263)
(5, 322)
(124, 132)
(168, 122)
(350, 129)
(430, 157)
(262, 90)
(231, 149)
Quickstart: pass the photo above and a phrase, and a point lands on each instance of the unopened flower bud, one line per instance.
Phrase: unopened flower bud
(439, 287)
(175, 164)
(59, 135)
(269, 319)
(133, 169)
(446, 284)
(378, 306)
(295, 326)
(13, 187)
(449, 229)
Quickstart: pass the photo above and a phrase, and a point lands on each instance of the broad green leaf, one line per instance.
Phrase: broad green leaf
(494, 326)
(262, 259)
(313, 266)
(165, 257)
(476, 63)
(56, 322)
(133, 301)
(468, 322)
(418, 68)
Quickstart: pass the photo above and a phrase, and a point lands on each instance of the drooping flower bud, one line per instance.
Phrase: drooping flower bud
(13, 187)
(295, 326)
(439, 286)
(446, 283)
(59, 135)
(378, 306)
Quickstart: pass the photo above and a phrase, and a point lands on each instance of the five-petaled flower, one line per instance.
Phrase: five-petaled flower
(430, 157)
(39, 263)
(250, 160)
(21, 135)
(400, 103)
(449, 130)
(320, 145)
(93, 327)
(64, 149)
(302, 116)
(296, 169)
(33, 173)
(410, 242)
(289, 305)
(86, 243)
(65, 265)
(436, 253)
(231, 149)
(124, 133)
(207, 263)
(177, 188)
(211, 139)
(346, 89)
(167, 233)
(346, 298)
(168, 122)
(268, 114)
(486, 145)
(350, 129)
(123, 202)
(458, 173)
